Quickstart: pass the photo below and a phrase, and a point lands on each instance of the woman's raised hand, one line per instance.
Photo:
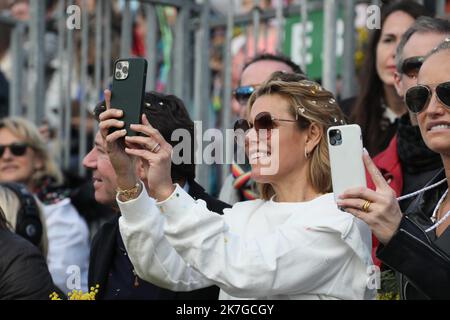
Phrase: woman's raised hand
(379, 209)
(156, 154)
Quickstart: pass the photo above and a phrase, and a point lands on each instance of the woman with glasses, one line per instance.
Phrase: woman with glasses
(292, 243)
(407, 163)
(24, 158)
(238, 186)
(377, 107)
(416, 243)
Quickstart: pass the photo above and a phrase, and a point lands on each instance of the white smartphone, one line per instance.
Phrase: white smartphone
(346, 150)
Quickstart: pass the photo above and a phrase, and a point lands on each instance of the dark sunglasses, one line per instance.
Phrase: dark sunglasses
(242, 94)
(17, 149)
(411, 66)
(418, 97)
(263, 121)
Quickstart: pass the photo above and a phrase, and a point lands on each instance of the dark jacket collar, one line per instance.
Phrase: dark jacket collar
(422, 207)
(102, 254)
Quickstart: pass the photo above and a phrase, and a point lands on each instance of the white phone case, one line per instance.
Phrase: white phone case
(347, 166)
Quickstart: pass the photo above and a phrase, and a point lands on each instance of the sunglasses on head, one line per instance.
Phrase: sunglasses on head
(242, 94)
(411, 66)
(17, 149)
(418, 97)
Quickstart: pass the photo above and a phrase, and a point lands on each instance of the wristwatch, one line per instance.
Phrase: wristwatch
(129, 194)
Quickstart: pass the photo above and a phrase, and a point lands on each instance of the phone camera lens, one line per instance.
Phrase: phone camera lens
(338, 136)
(118, 75)
(332, 141)
(125, 70)
(119, 66)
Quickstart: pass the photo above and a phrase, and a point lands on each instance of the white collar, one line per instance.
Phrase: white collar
(186, 186)
(390, 115)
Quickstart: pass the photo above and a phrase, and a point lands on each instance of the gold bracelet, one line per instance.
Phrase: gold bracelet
(129, 194)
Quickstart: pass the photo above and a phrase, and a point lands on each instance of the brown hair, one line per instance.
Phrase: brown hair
(167, 113)
(312, 104)
(368, 109)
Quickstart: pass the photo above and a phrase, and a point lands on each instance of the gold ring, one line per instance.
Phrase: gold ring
(366, 205)
(155, 148)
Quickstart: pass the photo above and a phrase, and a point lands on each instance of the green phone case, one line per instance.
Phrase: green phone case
(128, 93)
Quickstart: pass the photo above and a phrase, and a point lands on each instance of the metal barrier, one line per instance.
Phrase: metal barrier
(189, 76)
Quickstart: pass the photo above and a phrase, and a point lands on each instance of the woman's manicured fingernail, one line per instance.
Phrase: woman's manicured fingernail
(365, 151)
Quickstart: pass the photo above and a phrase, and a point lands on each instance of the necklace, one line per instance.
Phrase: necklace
(410, 195)
(434, 216)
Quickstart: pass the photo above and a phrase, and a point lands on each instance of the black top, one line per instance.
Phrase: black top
(419, 164)
(23, 271)
(112, 270)
(422, 259)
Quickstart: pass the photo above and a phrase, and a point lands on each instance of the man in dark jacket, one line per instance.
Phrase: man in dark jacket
(110, 266)
(416, 243)
(407, 163)
(418, 163)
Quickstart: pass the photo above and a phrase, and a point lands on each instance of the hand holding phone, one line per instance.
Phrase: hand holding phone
(346, 150)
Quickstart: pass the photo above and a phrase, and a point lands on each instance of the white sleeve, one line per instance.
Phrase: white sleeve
(290, 260)
(154, 259)
(68, 246)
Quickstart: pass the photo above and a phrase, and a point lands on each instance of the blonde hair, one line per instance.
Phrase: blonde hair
(27, 131)
(10, 206)
(312, 104)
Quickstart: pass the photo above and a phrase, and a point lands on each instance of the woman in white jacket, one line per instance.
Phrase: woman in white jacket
(24, 158)
(294, 243)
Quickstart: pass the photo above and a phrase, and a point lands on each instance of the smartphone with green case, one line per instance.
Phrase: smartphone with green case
(128, 90)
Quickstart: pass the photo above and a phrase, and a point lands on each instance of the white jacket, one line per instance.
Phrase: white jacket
(68, 246)
(257, 249)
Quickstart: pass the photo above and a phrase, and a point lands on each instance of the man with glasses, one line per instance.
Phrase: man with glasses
(416, 242)
(238, 186)
(408, 164)
(255, 72)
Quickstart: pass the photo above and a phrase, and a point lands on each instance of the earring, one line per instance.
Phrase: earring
(306, 154)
